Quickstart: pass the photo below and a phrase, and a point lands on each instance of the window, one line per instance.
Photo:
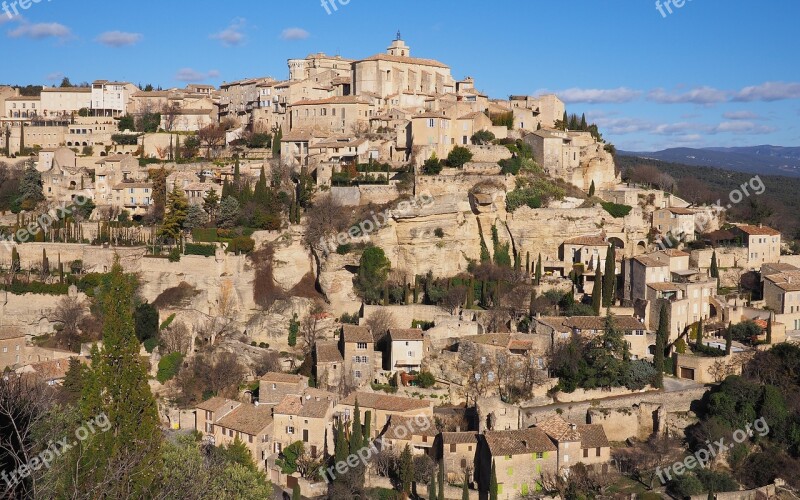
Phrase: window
(453, 448)
(597, 452)
(290, 430)
(463, 463)
(249, 438)
(431, 123)
(357, 374)
(362, 345)
(539, 455)
(586, 453)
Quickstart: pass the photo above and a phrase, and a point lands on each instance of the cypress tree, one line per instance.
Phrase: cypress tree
(441, 481)
(465, 487)
(116, 386)
(728, 341)
(493, 487)
(610, 277)
(597, 292)
(237, 175)
(356, 433)
(584, 125)
(714, 271)
(699, 339)
(661, 345)
(538, 271)
(45, 262)
(406, 471)
(432, 487)
(591, 189)
(527, 263)
(470, 293)
(341, 449)
(296, 492)
(367, 426)
(15, 263)
(769, 329)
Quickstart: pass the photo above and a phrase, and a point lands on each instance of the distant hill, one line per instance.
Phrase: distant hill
(766, 160)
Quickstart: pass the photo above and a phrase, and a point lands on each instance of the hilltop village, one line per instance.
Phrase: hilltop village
(374, 262)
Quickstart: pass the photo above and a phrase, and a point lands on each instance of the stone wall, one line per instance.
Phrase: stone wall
(404, 315)
(489, 153)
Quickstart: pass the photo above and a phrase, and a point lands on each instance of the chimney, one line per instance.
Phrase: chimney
(458, 428)
(573, 427)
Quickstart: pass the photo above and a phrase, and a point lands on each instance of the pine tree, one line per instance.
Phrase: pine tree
(493, 487)
(175, 215)
(597, 293)
(538, 278)
(116, 386)
(210, 204)
(610, 277)
(591, 189)
(714, 271)
(661, 346)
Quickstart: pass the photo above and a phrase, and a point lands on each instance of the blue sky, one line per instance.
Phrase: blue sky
(712, 73)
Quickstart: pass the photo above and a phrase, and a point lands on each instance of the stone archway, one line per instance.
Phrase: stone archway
(618, 243)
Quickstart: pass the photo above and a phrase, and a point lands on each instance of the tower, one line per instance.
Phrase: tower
(399, 47)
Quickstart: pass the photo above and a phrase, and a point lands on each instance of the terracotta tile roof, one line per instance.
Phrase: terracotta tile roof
(680, 211)
(405, 334)
(459, 437)
(282, 378)
(348, 99)
(328, 352)
(674, 252)
(758, 230)
(352, 333)
(419, 425)
(588, 241)
(54, 369)
(304, 406)
(520, 345)
(518, 442)
(599, 323)
(406, 60)
(11, 332)
(432, 114)
(215, 403)
(649, 261)
(490, 339)
(249, 419)
(385, 402)
(788, 281)
(663, 287)
(593, 436)
(559, 429)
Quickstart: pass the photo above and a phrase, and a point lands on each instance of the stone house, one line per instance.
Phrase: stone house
(456, 452)
(679, 223)
(521, 458)
(763, 244)
(12, 346)
(381, 407)
(273, 387)
(561, 329)
(113, 171)
(407, 349)
(222, 421)
(134, 196)
(332, 115)
(328, 364)
(586, 444)
(418, 432)
(305, 417)
(360, 356)
(782, 295)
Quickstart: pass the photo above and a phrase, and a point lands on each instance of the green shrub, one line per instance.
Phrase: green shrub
(425, 380)
(175, 255)
(344, 249)
(200, 249)
(241, 245)
(616, 210)
(150, 344)
(207, 235)
(459, 156)
(169, 366)
(36, 287)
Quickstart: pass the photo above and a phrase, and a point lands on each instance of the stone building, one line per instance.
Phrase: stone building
(329, 365)
(763, 244)
(521, 458)
(274, 386)
(223, 421)
(360, 356)
(456, 452)
(586, 444)
(381, 407)
(305, 417)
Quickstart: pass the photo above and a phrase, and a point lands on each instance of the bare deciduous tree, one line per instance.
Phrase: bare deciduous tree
(170, 112)
(68, 313)
(176, 338)
(310, 330)
(211, 138)
(379, 322)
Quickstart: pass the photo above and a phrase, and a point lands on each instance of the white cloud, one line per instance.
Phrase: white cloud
(596, 96)
(119, 38)
(292, 34)
(190, 75)
(232, 35)
(55, 76)
(743, 127)
(40, 31)
(698, 95)
(741, 115)
(769, 91)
